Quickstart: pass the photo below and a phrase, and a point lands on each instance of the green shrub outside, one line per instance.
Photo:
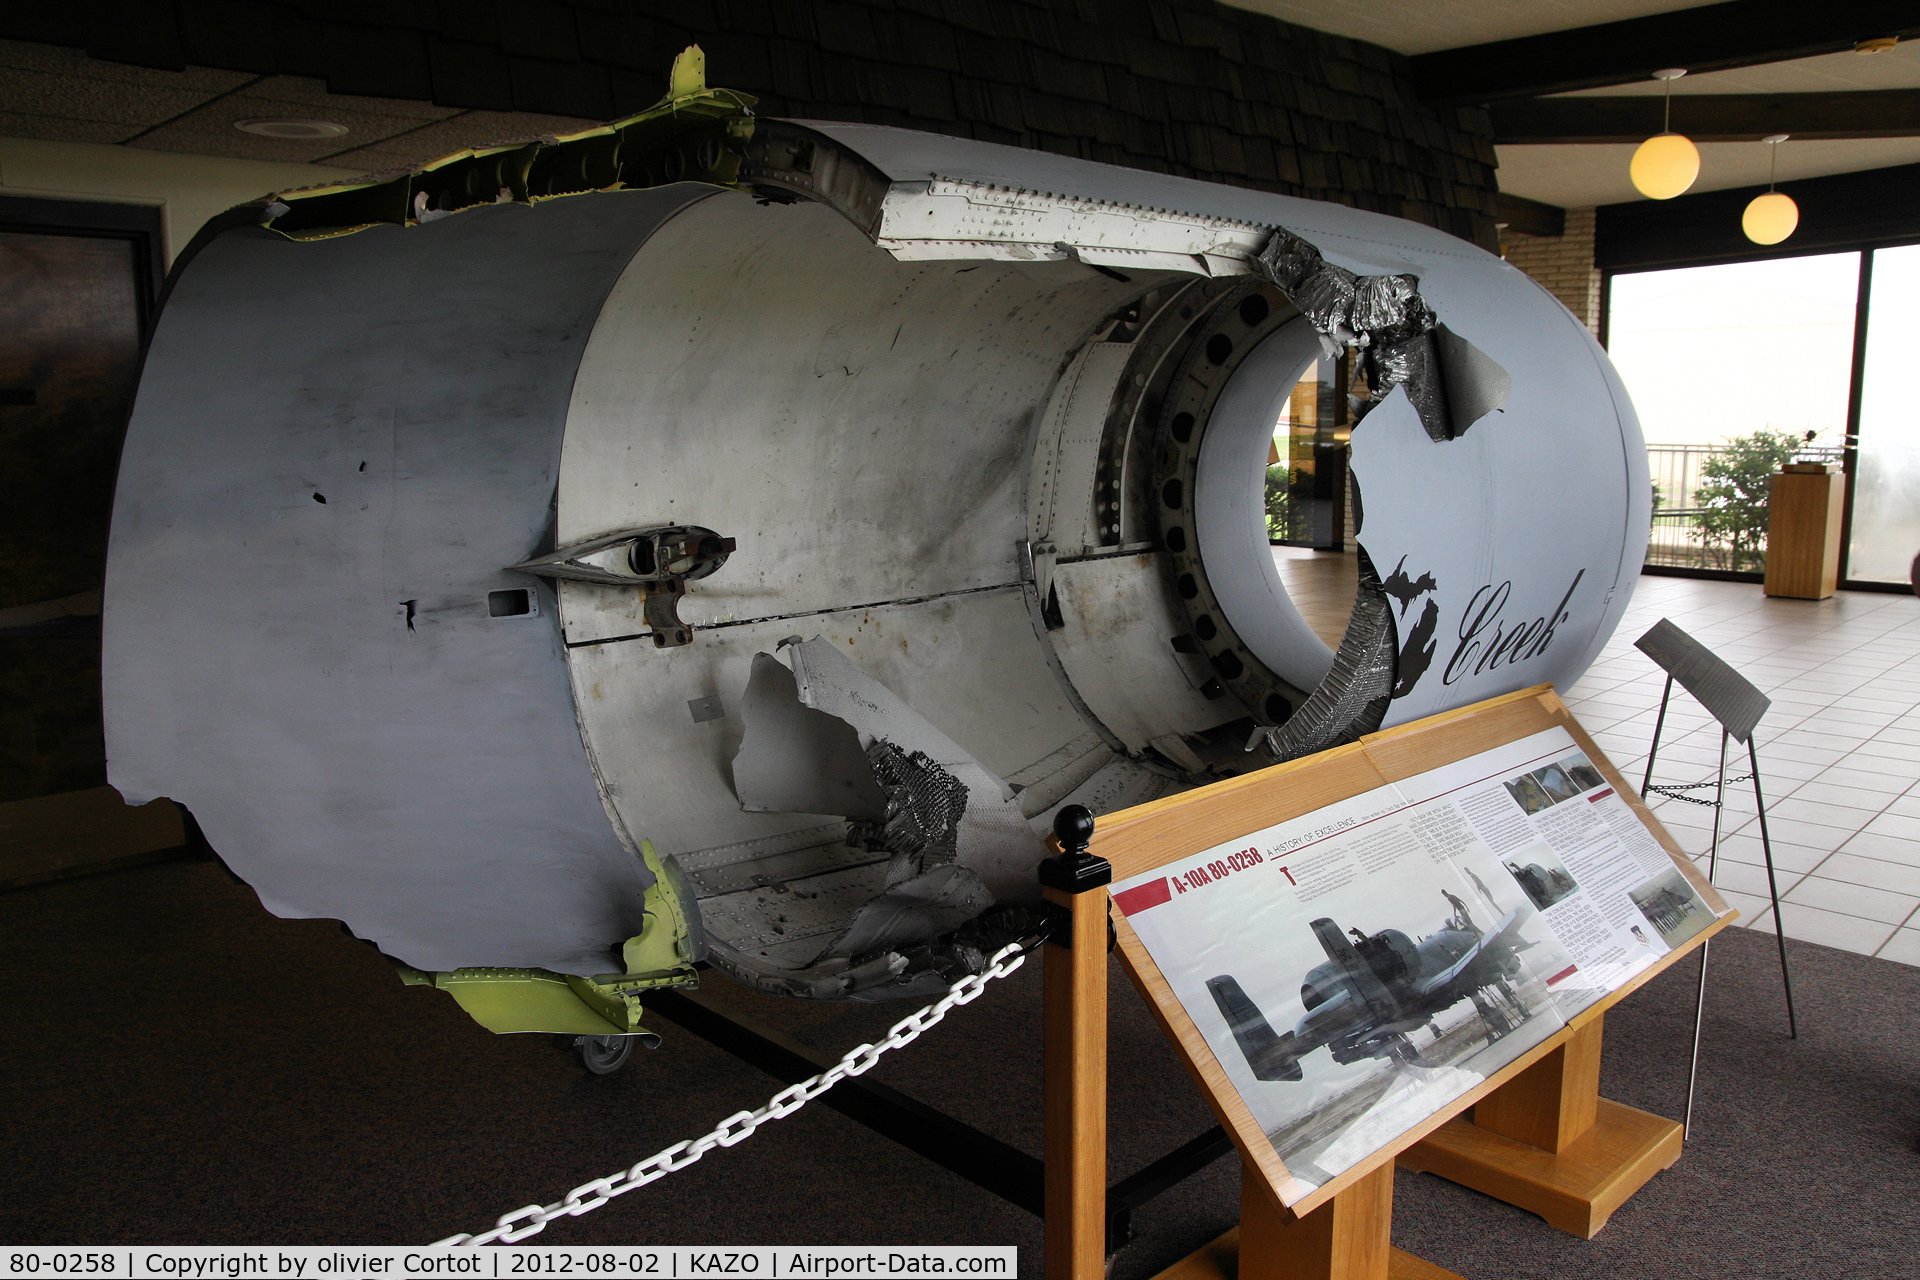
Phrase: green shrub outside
(1731, 510)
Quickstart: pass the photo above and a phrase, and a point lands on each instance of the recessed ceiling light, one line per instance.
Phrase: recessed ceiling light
(291, 128)
(1879, 44)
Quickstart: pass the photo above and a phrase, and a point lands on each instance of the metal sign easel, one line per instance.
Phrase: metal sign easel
(1732, 700)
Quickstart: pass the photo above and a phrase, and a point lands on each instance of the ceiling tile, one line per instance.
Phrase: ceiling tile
(1578, 176)
(13, 124)
(1897, 68)
(313, 93)
(20, 55)
(373, 160)
(209, 129)
(1422, 26)
(79, 98)
(474, 129)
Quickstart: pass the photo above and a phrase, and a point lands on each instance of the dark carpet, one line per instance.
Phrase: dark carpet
(182, 1067)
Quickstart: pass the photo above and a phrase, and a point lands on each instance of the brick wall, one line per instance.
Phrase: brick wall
(1177, 86)
(1563, 263)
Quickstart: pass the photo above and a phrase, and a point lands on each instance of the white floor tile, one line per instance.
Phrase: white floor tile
(1754, 912)
(1788, 859)
(1850, 778)
(1906, 806)
(1906, 770)
(1821, 791)
(1882, 905)
(1823, 737)
(1851, 868)
(1798, 809)
(1779, 766)
(1814, 835)
(1896, 685)
(1832, 929)
(1887, 848)
(1873, 704)
(1691, 825)
(1894, 824)
(1892, 750)
(1619, 705)
(1741, 877)
(1839, 751)
(1686, 762)
(1903, 946)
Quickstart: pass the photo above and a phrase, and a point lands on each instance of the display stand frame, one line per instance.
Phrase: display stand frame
(1540, 1138)
(1737, 705)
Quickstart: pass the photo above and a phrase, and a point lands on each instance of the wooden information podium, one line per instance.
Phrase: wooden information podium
(1535, 1134)
(1803, 531)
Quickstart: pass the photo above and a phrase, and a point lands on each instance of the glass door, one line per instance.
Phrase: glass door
(1307, 466)
(1886, 475)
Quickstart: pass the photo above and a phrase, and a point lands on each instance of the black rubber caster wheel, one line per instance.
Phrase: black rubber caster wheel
(603, 1055)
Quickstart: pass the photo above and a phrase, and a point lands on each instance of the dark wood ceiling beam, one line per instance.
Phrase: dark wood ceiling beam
(1878, 113)
(1843, 211)
(1739, 33)
(1532, 217)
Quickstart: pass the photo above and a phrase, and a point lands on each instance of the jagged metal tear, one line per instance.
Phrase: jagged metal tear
(1476, 383)
(991, 838)
(794, 759)
(1451, 383)
(829, 738)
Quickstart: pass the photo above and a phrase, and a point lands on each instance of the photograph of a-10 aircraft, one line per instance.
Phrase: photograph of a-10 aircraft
(1376, 992)
(1380, 984)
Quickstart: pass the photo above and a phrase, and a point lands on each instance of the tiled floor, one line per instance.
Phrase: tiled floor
(1839, 749)
(1839, 752)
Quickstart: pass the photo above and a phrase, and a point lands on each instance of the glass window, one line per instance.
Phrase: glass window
(1709, 353)
(1886, 478)
(1715, 357)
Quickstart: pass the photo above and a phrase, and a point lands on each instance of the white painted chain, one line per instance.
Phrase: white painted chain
(740, 1126)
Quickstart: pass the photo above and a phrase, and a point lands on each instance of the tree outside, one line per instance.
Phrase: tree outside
(1732, 505)
(1277, 482)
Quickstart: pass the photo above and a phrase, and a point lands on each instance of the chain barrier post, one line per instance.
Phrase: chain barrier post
(1074, 884)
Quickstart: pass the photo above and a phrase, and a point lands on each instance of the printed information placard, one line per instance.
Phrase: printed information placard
(1356, 969)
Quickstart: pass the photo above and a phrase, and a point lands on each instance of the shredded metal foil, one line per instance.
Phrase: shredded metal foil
(924, 806)
(1389, 307)
(1327, 296)
(1384, 316)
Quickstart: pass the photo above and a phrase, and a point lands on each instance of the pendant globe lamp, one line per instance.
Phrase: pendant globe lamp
(1771, 218)
(1667, 163)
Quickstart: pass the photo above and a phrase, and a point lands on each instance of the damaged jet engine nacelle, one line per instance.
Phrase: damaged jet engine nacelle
(985, 431)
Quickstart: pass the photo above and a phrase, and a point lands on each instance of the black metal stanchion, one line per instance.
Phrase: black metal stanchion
(1659, 722)
(1737, 705)
(1700, 992)
(1773, 889)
